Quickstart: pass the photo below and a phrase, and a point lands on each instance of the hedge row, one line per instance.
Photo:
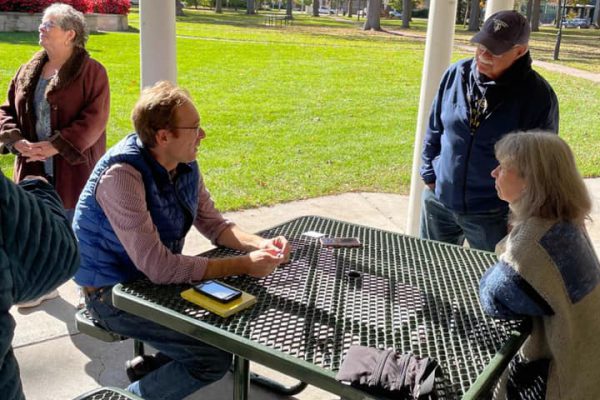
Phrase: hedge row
(85, 6)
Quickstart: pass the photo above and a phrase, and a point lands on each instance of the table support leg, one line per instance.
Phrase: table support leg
(241, 378)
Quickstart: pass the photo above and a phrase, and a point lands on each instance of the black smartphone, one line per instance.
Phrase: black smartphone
(340, 242)
(218, 291)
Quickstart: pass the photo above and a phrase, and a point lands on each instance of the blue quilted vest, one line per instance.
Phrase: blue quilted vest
(172, 206)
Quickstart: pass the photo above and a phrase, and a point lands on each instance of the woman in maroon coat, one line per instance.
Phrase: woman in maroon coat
(57, 107)
(54, 119)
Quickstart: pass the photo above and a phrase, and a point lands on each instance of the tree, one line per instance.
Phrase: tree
(219, 6)
(250, 7)
(178, 8)
(461, 11)
(474, 16)
(288, 9)
(350, 8)
(315, 8)
(373, 15)
(535, 15)
(596, 19)
(406, 13)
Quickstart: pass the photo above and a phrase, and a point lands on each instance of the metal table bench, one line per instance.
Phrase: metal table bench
(86, 324)
(395, 292)
(108, 393)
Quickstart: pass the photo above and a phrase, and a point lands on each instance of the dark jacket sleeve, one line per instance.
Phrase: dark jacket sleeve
(433, 134)
(550, 120)
(36, 238)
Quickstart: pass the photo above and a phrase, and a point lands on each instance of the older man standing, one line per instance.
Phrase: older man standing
(479, 100)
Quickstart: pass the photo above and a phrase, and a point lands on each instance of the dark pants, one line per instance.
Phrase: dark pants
(482, 230)
(195, 364)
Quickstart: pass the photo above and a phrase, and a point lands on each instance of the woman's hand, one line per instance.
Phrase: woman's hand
(39, 151)
(23, 146)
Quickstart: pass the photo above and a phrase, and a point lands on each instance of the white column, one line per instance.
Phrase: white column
(493, 6)
(438, 50)
(157, 42)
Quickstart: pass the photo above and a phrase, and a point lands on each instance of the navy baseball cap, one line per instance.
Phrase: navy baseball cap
(503, 30)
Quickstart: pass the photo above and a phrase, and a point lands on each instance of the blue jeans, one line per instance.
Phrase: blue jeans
(194, 364)
(482, 230)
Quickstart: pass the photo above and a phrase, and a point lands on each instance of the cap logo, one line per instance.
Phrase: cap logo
(499, 24)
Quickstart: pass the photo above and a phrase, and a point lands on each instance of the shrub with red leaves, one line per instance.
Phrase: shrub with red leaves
(112, 6)
(85, 6)
(28, 6)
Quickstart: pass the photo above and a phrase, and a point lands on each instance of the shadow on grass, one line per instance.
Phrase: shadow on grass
(30, 38)
(241, 19)
(577, 46)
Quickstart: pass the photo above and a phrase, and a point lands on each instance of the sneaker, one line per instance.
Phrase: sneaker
(141, 366)
(80, 298)
(34, 303)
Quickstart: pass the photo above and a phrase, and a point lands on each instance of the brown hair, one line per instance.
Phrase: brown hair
(554, 188)
(69, 19)
(155, 110)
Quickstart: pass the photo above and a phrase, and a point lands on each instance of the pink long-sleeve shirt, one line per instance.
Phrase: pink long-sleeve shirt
(122, 196)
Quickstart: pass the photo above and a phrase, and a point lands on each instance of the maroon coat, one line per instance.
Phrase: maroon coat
(79, 100)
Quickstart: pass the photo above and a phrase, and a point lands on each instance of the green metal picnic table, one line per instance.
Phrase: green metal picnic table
(393, 292)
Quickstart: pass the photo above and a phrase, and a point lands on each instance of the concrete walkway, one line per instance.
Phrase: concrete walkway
(550, 66)
(59, 363)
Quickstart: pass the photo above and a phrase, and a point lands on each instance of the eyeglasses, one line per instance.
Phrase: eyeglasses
(197, 129)
(47, 25)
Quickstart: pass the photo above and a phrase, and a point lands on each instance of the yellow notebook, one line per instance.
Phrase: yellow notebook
(222, 309)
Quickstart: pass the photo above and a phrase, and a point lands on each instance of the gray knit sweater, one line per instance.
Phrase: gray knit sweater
(557, 261)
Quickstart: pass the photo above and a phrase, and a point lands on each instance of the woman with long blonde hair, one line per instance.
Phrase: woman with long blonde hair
(547, 270)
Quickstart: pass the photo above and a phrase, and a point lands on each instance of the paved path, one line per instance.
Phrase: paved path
(550, 66)
(58, 363)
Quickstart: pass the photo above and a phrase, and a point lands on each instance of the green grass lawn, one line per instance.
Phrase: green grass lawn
(316, 108)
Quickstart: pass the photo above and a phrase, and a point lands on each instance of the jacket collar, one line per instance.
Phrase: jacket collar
(161, 175)
(68, 72)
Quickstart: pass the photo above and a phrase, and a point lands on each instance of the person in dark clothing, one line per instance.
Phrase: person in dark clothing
(480, 100)
(38, 252)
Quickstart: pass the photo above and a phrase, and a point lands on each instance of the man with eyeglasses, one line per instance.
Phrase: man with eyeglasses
(131, 221)
(480, 100)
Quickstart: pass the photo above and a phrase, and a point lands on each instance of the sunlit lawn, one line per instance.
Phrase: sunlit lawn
(315, 108)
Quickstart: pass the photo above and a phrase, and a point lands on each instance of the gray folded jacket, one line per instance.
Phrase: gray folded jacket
(390, 374)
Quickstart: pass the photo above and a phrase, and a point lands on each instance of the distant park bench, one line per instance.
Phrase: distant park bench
(281, 20)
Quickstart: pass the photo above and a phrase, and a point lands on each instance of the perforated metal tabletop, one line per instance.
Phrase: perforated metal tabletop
(394, 291)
